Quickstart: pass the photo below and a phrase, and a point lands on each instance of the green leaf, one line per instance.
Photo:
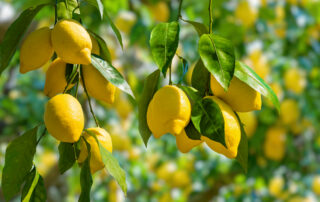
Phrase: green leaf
(192, 132)
(247, 75)
(66, 156)
(217, 54)
(200, 78)
(199, 27)
(242, 156)
(14, 34)
(34, 189)
(18, 162)
(86, 177)
(184, 68)
(66, 9)
(98, 4)
(111, 74)
(149, 89)
(113, 168)
(208, 120)
(164, 43)
(104, 51)
(114, 28)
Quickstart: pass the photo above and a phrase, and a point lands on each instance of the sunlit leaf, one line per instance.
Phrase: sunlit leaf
(66, 9)
(200, 78)
(199, 27)
(85, 177)
(104, 50)
(114, 28)
(98, 4)
(242, 156)
(34, 189)
(66, 156)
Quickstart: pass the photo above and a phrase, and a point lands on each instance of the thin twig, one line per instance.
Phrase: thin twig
(179, 11)
(89, 99)
(55, 13)
(170, 81)
(210, 16)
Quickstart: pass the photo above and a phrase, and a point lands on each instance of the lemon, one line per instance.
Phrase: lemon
(180, 178)
(125, 21)
(71, 42)
(276, 186)
(46, 162)
(274, 145)
(316, 185)
(36, 50)
(160, 11)
(166, 170)
(295, 80)
(97, 86)
(240, 96)
(259, 63)
(64, 118)
(184, 143)
(246, 14)
(104, 139)
(250, 122)
(289, 111)
(232, 132)
(169, 111)
(55, 78)
(95, 46)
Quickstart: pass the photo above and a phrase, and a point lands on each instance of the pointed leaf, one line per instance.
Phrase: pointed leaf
(66, 9)
(200, 78)
(34, 189)
(184, 68)
(247, 75)
(192, 132)
(242, 156)
(18, 162)
(113, 168)
(217, 54)
(164, 43)
(66, 156)
(199, 27)
(14, 34)
(149, 89)
(104, 51)
(98, 4)
(111, 74)
(86, 177)
(114, 28)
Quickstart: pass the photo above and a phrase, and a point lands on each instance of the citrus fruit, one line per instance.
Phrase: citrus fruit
(95, 46)
(276, 186)
(316, 185)
(232, 131)
(274, 145)
(71, 42)
(295, 80)
(104, 139)
(289, 111)
(160, 11)
(184, 143)
(64, 118)
(250, 122)
(246, 14)
(36, 50)
(169, 111)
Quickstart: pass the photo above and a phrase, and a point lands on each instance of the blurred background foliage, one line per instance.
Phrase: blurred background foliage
(279, 39)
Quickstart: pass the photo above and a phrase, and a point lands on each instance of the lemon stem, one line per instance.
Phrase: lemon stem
(77, 86)
(170, 81)
(179, 11)
(210, 16)
(70, 80)
(89, 99)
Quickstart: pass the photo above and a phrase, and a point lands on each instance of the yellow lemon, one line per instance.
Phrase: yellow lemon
(46, 162)
(250, 122)
(169, 111)
(95, 46)
(121, 142)
(180, 178)
(295, 80)
(316, 185)
(36, 50)
(97, 86)
(160, 11)
(104, 139)
(166, 170)
(289, 111)
(64, 118)
(71, 42)
(275, 186)
(274, 145)
(259, 63)
(240, 96)
(232, 131)
(246, 14)
(55, 78)
(184, 143)
(125, 21)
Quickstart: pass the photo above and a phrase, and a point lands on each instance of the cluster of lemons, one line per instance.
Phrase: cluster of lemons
(63, 117)
(169, 111)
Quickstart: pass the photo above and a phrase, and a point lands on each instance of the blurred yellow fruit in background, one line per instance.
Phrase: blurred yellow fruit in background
(36, 50)
(184, 143)
(104, 139)
(316, 185)
(71, 42)
(166, 170)
(232, 131)
(180, 178)
(240, 96)
(275, 143)
(46, 161)
(258, 62)
(246, 14)
(276, 186)
(120, 142)
(169, 111)
(64, 118)
(125, 21)
(56, 78)
(250, 122)
(295, 80)
(289, 111)
(160, 11)
(98, 86)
